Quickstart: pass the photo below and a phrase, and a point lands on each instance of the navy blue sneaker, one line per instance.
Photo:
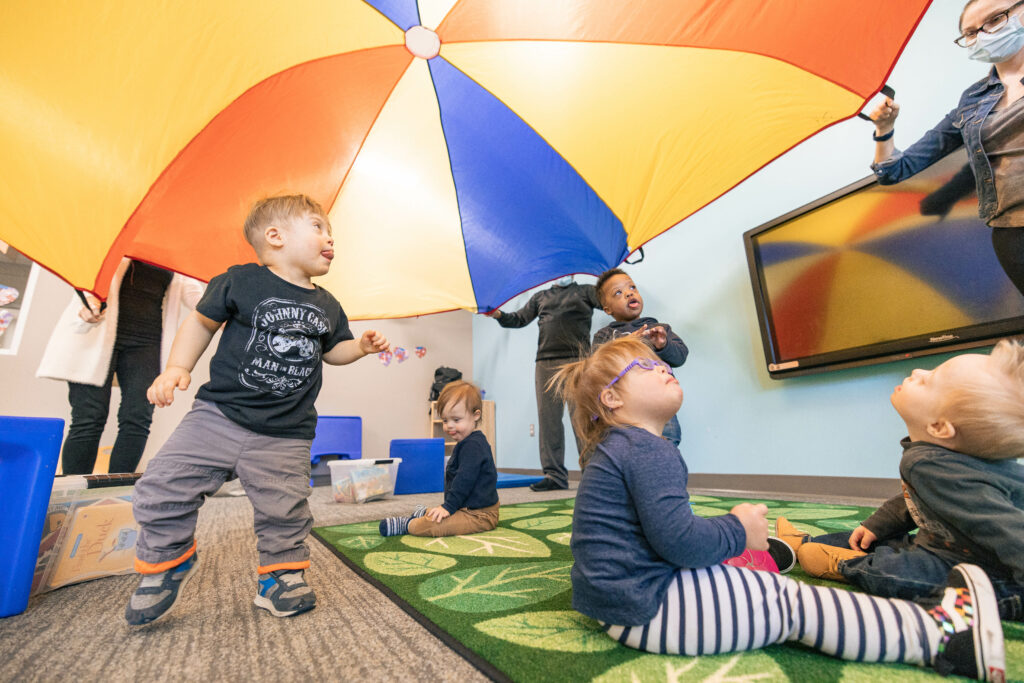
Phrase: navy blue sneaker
(285, 593)
(156, 594)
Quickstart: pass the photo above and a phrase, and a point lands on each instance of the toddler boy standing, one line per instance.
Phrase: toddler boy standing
(962, 488)
(621, 300)
(255, 417)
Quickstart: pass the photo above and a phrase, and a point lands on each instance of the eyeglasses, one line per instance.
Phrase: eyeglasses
(643, 364)
(991, 25)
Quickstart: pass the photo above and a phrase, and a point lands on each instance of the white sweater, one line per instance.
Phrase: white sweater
(80, 352)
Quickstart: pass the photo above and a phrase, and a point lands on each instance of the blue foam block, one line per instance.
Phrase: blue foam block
(422, 468)
(29, 451)
(507, 480)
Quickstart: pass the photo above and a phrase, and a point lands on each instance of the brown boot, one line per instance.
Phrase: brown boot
(822, 561)
(793, 537)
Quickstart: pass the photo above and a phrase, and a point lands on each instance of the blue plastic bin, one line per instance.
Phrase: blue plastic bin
(422, 468)
(29, 451)
(338, 437)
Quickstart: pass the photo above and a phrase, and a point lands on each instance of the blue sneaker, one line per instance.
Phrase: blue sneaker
(156, 594)
(285, 593)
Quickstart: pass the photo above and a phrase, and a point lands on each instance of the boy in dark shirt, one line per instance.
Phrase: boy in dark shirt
(255, 417)
(962, 488)
(621, 300)
(470, 479)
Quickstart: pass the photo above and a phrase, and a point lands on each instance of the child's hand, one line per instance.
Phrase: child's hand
(755, 523)
(436, 514)
(862, 538)
(657, 337)
(373, 342)
(161, 392)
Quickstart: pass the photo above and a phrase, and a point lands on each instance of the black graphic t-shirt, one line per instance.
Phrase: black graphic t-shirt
(267, 370)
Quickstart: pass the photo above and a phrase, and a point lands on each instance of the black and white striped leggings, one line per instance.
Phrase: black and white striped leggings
(728, 609)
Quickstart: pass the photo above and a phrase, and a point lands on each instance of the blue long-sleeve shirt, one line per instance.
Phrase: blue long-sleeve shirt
(633, 529)
(470, 480)
(674, 353)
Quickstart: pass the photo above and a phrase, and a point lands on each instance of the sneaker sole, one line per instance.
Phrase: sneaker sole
(783, 549)
(989, 647)
(265, 603)
(177, 599)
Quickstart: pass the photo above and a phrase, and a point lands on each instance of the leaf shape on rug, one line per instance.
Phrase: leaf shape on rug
(546, 523)
(352, 529)
(496, 588)
(517, 512)
(561, 538)
(563, 631)
(498, 543)
(407, 564)
(747, 666)
(360, 542)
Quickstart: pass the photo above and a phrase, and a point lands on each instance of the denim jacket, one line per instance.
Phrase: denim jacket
(962, 126)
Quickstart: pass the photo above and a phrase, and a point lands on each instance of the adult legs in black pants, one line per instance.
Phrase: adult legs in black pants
(136, 366)
(1009, 247)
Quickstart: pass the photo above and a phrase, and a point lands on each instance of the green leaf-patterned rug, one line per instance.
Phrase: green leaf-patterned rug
(502, 599)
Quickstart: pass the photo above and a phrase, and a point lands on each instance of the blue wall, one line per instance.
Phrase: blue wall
(734, 418)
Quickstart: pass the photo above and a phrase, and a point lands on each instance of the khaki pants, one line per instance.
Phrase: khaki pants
(462, 521)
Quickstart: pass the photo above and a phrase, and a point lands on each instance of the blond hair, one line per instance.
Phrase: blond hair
(581, 383)
(275, 211)
(457, 392)
(989, 415)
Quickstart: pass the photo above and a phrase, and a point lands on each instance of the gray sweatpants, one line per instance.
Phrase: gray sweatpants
(550, 410)
(201, 454)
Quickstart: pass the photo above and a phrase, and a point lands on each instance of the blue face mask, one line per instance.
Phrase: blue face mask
(999, 46)
(564, 281)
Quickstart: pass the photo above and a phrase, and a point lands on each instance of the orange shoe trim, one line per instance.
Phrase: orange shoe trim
(283, 565)
(150, 568)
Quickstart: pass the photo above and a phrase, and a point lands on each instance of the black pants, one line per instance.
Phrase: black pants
(1009, 246)
(136, 366)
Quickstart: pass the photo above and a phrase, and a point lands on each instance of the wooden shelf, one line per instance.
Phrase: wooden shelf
(436, 431)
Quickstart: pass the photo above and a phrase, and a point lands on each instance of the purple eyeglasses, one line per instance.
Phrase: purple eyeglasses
(643, 364)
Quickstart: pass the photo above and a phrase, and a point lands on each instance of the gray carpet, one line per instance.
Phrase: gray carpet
(216, 634)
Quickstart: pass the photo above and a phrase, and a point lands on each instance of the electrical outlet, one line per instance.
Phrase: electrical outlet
(532, 430)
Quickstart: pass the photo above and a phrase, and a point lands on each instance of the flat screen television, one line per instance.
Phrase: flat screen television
(876, 273)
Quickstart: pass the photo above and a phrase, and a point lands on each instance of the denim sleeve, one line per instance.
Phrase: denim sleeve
(657, 485)
(936, 143)
(978, 507)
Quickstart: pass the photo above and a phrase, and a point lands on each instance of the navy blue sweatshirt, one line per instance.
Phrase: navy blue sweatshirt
(470, 480)
(674, 353)
(633, 529)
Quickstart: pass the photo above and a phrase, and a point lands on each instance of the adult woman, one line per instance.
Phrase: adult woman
(989, 120)
(130, 338)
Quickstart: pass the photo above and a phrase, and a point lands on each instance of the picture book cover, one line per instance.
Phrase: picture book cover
(99, 541)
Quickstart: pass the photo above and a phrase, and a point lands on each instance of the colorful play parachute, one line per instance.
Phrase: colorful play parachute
(465, 150)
